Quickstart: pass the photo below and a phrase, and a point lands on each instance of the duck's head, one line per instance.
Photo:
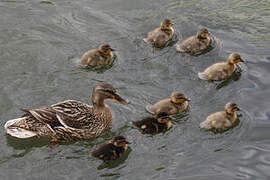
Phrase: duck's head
(202, 33)
(178, 97)
(231, 107)
(163, 117)
(106, 91)
(105, 49)
(166, 24)
(120, 141)
(235, 58)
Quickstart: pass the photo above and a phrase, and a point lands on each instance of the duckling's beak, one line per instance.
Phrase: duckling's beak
(127, 142)
(241, 60)
(187, 99)
(112, 49)
(119, 99)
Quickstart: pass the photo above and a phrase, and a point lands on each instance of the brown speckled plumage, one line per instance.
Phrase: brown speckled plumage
(70, 120)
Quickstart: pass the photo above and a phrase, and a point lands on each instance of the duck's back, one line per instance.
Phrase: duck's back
(147, 125)
(103, 152)
(159, 38)
(163, 105)
(89, 58)
(193, 45)
(217, 71)
(215, 120)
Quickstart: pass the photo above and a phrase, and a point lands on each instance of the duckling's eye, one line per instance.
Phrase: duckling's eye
(108, 91)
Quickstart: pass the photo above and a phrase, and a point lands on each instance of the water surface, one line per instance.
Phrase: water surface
(41, 40)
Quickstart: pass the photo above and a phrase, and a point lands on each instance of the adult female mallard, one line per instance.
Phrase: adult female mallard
(195, 44)
(160, 35)
(68, 120)
(96, 57)
(173, 105)
(221, 70)
(221, 120)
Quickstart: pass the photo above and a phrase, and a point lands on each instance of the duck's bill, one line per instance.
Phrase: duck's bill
(241, 60)
(187, 99)
(112, 49)
(119, 99)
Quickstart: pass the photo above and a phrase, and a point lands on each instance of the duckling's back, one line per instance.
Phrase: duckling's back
(104, 152)
(217, 71)
(147, 125)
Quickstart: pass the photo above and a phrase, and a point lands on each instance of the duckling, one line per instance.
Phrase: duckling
(221, 70)
(111, 150)
(173, 105)
(149, 125)
(221, 120)
(95, 57)
(195, 44)
(160, 35)
(67, 120)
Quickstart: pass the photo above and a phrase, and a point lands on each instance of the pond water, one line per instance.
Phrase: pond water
(41, 40)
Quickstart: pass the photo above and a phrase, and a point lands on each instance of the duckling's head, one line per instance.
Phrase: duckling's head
(120, 141)
(163, 117)
(202, 33)
(166, 24)
(106, 91)
(178, 97)
(235, 58)
(105, 49)
(231, 107)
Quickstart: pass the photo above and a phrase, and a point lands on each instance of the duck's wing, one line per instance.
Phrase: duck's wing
(151, 36)
(217, 71)
(186, 45)
(89, 58)
(104, 151)
(69, 113)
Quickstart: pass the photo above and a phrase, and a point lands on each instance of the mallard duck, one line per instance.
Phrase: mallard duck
(160, 35)
(111, 150)
(68, 120)
(221, 70)
(149, 125)
(96, 57)
(173, 105)
(195, 44)
(221, 120)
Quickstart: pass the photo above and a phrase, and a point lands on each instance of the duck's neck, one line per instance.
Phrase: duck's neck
(98, 101)
(178, 104)
(167, 30)
(231, 116)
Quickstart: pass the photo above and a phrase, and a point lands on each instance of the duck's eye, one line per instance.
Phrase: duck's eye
(108, 91)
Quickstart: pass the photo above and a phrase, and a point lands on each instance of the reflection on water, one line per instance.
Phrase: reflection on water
(41, 40)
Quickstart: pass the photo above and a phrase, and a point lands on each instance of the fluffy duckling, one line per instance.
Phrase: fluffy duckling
(195, 44)
(160, 35)
(95, 57)
(221, 70)
(221, 120)
(173, 105)
(149, 125)
(111, 150)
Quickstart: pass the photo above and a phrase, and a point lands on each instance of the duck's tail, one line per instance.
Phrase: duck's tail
(145, 40)
(178, 48)
(203, 75)
(16, 131)
(149, 108)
